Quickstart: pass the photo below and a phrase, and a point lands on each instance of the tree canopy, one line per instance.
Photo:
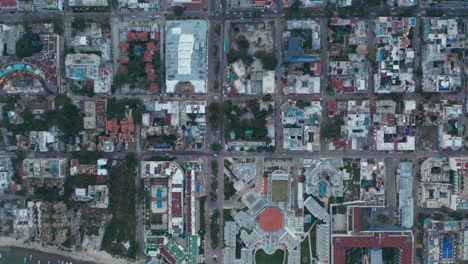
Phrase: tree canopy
(179, 10)
(28, 44)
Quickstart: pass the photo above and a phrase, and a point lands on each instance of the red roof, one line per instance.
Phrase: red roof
(388, 119)
(101, 178)
(150, 46)
(156, 35)
(148, 57)
(143, 36)
(123, 46)
(154, 88)
(123, 68)
(258, 3)
(148, 67)
(332, 106)
(340, 143)
(130, 36)
(150, 76)
(377, 240)
(90, 84)
(8, 3)
(167, 255)
(357, 219)
(176, 204)
(14, 187)
(265, 185)
(87, 169)
(271, 219)
(123, 59)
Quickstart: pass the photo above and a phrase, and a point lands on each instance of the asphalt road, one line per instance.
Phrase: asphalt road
(217, 14)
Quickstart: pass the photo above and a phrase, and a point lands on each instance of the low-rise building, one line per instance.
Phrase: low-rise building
(84, 67)
(10, 6)
(394, 130)
(174, 125)
(435, 187)
(356, 119)
(445, 241)
(186, 56)
(348, 55)
(350, 230)
(167, 200)
(301, 125)
(46, 5)
(404, 188)
(40, 172)
(394, 55)
(442, 63)
(250, 81)
(6, 174)
(448, 117)
(324, 178)
(372, 182)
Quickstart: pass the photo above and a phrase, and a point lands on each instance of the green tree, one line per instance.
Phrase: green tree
(79, 24)
(216, 147)
(373, 54)
(70, 120)
(62, 99)
(269, 61)
(267, 98)
(119, 80)
(333, 129)
(214, 114)
(179, 10)
(382, 218)
(233, 55)
(243, 42)
(27, 45)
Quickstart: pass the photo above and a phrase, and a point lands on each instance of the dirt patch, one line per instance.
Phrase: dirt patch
(429, 137)
(259, 35)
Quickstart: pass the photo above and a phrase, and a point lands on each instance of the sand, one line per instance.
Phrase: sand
(91, 256)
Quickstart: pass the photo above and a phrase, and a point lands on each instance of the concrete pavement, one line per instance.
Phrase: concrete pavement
(216, 94)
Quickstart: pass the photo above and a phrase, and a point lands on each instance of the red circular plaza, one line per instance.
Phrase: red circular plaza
(271, 219)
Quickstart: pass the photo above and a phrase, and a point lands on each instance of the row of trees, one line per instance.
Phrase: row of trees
(214, 180)
(214, 227)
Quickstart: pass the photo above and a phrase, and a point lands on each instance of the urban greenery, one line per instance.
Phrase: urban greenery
(333, 129)
(122, 227)
(116, 108)
(28, 44)
(247, 123)
(214, 228)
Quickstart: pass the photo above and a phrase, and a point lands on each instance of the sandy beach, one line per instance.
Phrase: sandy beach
(100, 257)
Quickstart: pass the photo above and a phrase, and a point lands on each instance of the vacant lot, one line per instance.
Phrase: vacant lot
(429, 137)
(259, 35)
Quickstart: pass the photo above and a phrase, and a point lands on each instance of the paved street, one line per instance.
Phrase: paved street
(216, 13)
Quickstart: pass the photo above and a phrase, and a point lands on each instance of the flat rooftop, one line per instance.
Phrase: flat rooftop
(186, 56)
